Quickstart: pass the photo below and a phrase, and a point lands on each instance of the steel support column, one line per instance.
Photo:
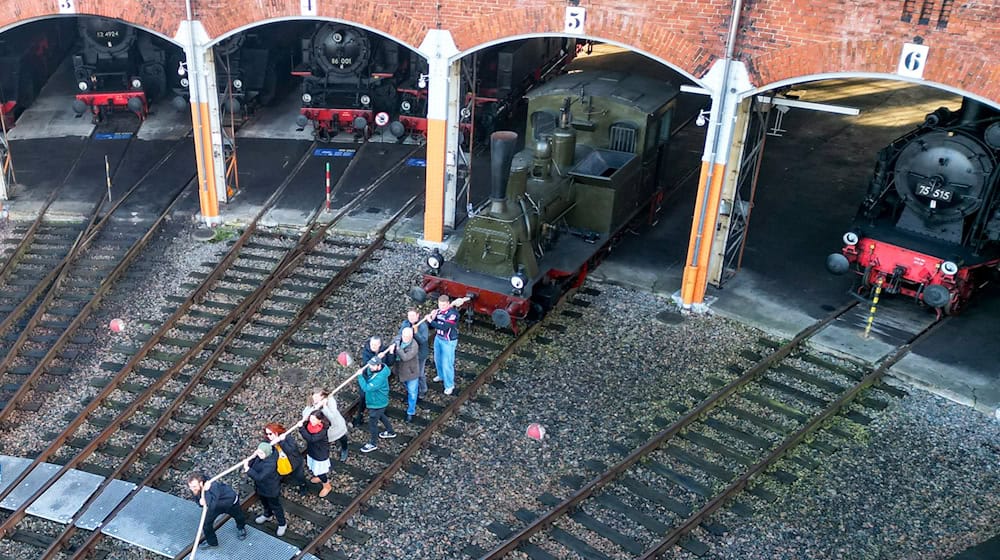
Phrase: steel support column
(726, 78)
(207, 130)
(439, 47)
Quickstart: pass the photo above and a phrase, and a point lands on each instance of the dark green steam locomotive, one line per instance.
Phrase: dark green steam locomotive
(595, 157)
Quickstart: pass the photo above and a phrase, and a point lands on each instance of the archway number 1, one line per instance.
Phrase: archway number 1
(67, 6)
(308, 7)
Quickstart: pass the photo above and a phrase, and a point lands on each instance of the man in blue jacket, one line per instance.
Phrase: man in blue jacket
(375, 384)
(220, 499)
(445, 320)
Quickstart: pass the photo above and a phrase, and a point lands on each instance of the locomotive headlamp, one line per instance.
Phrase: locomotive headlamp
(949, 268)
(306, 98)
(518, 281)
(136, 83)
(435, 260)
(238, 84)
(185, 82)
(83, 86)
(850, 238)
(366, 100)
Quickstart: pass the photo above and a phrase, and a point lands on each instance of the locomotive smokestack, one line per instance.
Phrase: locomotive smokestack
(502, 144)
(971, 111)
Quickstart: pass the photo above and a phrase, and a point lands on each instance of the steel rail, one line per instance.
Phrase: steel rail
(16, 515)
(790, 442)
(93, 228)
(513, 541)
(29, 237)
(417, 443)
(48, 202)
(314, 303)
(84, 240)
(169, 324)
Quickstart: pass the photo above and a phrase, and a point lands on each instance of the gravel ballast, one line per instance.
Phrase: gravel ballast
(919, 482)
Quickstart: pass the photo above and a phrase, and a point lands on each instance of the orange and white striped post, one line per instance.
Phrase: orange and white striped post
(438, 47)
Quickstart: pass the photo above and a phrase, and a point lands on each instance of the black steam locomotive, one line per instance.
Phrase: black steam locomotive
(29, 54)
(929, 227)
(350, 76)
(596, 157)
(251, 68)
(118, 67)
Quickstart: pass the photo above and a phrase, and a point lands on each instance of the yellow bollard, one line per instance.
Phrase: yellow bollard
(871, 312)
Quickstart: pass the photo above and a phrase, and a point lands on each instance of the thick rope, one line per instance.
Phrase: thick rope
(207, 484)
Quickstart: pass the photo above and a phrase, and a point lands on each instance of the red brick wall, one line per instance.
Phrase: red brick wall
(161, 16)
(782, 39)
(778, 39)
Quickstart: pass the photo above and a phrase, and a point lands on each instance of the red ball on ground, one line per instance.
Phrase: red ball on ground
(535, 432)
(117, 325)
(345, 359)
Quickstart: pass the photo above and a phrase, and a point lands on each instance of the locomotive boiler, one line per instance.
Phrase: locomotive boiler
(117, 67)
(929, 227)
(596, 156)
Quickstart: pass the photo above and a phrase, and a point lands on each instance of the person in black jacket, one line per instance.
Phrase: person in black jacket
(287, 445)
(263, 469)
(314, 431)
(220, 499)
(371, 350)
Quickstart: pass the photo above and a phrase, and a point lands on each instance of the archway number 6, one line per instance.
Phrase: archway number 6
(67, 6)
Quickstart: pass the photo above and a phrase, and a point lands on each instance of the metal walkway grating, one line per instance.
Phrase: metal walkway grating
(153, 520)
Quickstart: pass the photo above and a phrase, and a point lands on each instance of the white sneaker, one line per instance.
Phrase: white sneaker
(449, 390)
(281, 530)
(263, 519)
(437, 379)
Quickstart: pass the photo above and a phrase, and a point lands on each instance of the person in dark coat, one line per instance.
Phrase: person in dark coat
(290, 448)
(219, 498)
(263, 470)
(314, 431)
(408, 370)
(421, 333)
(371, 350)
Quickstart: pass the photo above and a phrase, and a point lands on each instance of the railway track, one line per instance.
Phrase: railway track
(36, 344)
(483, 351)
(156, 404)
(667, 487)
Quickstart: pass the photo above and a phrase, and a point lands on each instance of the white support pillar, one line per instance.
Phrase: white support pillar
(438, 47)
(452, 149)
(204, 118)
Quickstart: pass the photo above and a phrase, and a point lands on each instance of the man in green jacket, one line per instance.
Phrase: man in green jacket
(375, 384)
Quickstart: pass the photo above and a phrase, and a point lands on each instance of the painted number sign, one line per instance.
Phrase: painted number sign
(308, 7)
(67, 6)
(576, 18)
(912, 60)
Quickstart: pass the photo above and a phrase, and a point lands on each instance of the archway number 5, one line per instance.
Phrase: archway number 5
(67, 6)
(576, 19)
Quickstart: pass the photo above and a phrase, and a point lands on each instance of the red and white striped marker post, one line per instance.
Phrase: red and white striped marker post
(327, 186)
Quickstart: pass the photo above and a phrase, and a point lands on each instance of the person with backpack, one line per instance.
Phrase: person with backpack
(289, 459)
(263, 470)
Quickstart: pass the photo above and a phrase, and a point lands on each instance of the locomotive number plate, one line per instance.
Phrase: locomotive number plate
(937, 193)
